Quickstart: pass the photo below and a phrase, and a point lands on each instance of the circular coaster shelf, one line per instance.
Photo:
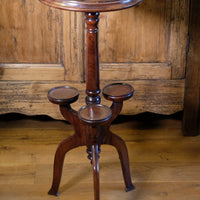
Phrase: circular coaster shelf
(95, 114)
(63, 95)
(118, 91)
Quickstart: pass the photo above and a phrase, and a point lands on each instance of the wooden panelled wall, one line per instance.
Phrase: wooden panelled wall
(42, 47)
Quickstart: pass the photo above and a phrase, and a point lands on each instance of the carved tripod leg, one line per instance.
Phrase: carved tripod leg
(120, 145)
(95, 164)
(62, 149)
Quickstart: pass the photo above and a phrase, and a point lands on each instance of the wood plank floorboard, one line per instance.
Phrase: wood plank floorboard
(164, 164)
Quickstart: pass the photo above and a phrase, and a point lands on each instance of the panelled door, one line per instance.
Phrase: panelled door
(42, 47)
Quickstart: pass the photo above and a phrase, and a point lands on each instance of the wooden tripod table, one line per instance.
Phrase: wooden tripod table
(92, 122)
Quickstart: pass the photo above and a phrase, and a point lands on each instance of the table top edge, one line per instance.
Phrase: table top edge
(87, 6)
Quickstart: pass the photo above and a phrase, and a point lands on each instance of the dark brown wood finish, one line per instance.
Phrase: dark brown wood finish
(92, 135)
(92, 122)
(95, 164)
(118, 91)
(94, 114)
(119, 144)
(63, 95)
(191, 118)
(91, 5)
(92, 59)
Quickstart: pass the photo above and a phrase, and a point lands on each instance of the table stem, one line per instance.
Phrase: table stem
(92, 59)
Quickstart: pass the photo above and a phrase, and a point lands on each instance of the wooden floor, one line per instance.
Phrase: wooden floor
(164, 164)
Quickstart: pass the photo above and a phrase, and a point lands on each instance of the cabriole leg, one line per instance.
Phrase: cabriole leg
(65, 146)
(120, 145)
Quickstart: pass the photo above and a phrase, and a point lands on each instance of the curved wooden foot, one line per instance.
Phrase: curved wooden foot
(120, 145)
(65, 146)
(95, 164)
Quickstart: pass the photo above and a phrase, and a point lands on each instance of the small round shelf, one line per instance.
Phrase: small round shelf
(118, 92)
(95, 114)
(63, 95)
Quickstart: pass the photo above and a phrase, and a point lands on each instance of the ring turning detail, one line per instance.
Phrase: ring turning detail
(92, 122)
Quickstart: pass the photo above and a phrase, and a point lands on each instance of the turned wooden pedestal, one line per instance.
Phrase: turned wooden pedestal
(92, 122)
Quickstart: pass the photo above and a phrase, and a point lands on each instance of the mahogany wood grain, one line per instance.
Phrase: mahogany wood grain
(118, 92)
(95, 164)
(93, 133)
(63, 95)
(92, 122)
(119, 144)
(68, 144)
(92, 59)
(95, 114)
(65, 146)
(91, 5)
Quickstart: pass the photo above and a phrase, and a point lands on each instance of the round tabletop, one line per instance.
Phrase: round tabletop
(91, 5)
